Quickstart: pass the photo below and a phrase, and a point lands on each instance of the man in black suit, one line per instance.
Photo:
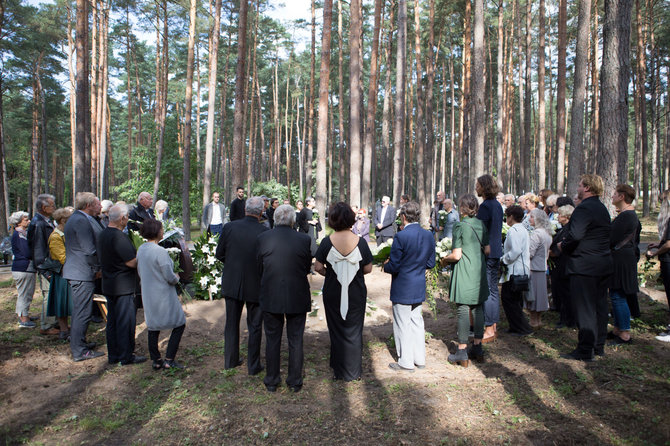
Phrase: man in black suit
(589, 263)
(284, 260)
(240, 285)
(142, 211)
(384, 219)
(81, 269)
(237, 205)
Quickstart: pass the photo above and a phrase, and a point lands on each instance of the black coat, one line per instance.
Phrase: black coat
(284, 261)
(237, 209)
(587, 242)
(237, 250)
(625, 252)
(38, 238)
(137, 215)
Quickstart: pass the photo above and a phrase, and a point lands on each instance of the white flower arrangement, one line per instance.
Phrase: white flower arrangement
(207, 268)
(443, 248)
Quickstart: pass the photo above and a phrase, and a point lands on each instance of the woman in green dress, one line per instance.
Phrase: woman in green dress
(469, 286)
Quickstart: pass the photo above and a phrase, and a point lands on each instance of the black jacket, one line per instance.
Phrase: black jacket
(284, 260)
(137, 215)
(237, 250)
(237, 209)
(38, 238)
(587, 241)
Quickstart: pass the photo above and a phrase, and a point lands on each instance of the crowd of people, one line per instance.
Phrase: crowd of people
(528, 254)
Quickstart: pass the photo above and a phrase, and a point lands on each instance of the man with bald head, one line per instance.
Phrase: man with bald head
(142, 211)
(452, 217)
(118, 264)
(509, 200)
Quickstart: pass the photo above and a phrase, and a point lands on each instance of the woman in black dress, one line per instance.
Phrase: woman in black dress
(624, 242)
(344, 258)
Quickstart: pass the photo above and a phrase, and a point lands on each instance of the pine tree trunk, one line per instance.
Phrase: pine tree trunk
(560, 95)
(655, 173)
(4, 201)
(399, 125)
(163, 101)
(340, 101)
(188, 111)
(641, 91)
(500, 86)
(310, 106)
(541, 134)
(431, 153)
(82, 170)
(479, 91)
(420, 134)
(386, 110)
(526, 148)
(355, 160)
(240, 83)
(576, 155)
(322, 129)
(370, 129)
(466, 76)
(612, 163)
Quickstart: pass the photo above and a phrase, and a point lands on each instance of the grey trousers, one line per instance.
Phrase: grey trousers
(492, 304)
(46, 322)
(409, 334)
(25, 285)
(82, 306)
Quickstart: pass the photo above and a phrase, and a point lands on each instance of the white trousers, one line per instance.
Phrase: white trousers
(409, 334)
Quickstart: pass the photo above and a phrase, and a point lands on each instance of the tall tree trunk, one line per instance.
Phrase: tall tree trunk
(526, 149)
(595, 76)
(612, 163)
(240, 83)
(420, 134)
(560, 95)
(211, 102)
(322, 129)
(82, 170)
(641, 91)
(655, 173)
(355, 104)
(163, 102)
(576, 155)
(340, 100)
(541, 136)
(128, 91)
(479, 90)
(386, 109)
(466, 75)
(4, 200)
(521, 115)
(310, 106)
(500, 85)
(188, 112)
(399, 126)
(431, 182)
(452, 142)
(372, 109)
(73, 97)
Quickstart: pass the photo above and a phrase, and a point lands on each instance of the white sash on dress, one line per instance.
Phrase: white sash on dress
(345, 268)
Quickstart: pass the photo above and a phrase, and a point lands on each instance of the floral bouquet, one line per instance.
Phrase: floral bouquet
(555, 226)
(174, 255)
(382, 252)
(398, 220)
(207, 268)
(442, 218)
(442, 249)
(505, 228)
(315, 215)
(136, 238)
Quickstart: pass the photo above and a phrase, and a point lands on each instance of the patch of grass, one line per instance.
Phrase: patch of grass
(94, 423)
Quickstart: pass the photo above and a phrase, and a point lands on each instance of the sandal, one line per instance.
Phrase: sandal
(157, 364)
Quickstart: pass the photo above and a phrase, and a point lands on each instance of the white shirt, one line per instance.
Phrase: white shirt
(381, 219)
(216, 214)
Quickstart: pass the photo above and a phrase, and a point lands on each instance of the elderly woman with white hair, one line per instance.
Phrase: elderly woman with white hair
(23, 272)
(105, 206)
(537, 300)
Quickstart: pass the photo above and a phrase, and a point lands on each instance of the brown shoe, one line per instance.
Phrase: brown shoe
(487, 339)
(51, 331)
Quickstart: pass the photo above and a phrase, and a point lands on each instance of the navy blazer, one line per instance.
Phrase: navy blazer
(284, 259)
(412, 253)
(81, 239)
(237, 251)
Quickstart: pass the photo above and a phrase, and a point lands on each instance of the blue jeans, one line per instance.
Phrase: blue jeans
(620, 310)
(215, 229)
(492, 304)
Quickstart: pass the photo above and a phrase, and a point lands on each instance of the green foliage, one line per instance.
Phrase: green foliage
(273, 189)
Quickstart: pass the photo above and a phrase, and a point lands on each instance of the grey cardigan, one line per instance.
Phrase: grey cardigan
(540, 241)
(162, 309)
(515, 250)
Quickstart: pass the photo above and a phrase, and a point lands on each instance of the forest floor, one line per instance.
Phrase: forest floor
(523, 393)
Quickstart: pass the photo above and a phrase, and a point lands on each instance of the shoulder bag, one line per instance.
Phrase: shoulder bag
(520, 282)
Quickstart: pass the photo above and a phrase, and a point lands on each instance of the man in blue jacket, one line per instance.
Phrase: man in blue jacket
(412, 253)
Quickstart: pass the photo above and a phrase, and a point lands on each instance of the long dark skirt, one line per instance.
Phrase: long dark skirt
(59, 302)
(346, 336)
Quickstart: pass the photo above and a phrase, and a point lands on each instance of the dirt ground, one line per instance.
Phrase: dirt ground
(523, 393)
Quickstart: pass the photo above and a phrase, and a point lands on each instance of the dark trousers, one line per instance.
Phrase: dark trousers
(382, 238)
(665, 276)
(173, 343)
(274, 326)
(633, 305)
(120, 328)
(215, 229)
(512, 303)
(82, 305)
(231, 348)
(589, 299)
(560, 294)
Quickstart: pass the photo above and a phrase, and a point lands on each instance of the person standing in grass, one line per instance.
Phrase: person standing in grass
(23, 272)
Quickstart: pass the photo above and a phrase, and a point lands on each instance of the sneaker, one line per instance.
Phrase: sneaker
(27, 324)
(664, 337)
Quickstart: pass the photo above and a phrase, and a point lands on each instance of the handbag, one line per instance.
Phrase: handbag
(50, 265)
(520, 282)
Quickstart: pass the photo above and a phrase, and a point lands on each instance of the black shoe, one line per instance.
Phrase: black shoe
(91, 345)
(88, 354)
(577, 356)
(96, 319)
(460, 358)
(398, 368)
(611, 335)
(172, 364)
(476, 352)
(135, 360)
(599, 351)
(616, 340)
(237, 364)
(271, 388)
(519, 334)
(295, 389)
(157, 364)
